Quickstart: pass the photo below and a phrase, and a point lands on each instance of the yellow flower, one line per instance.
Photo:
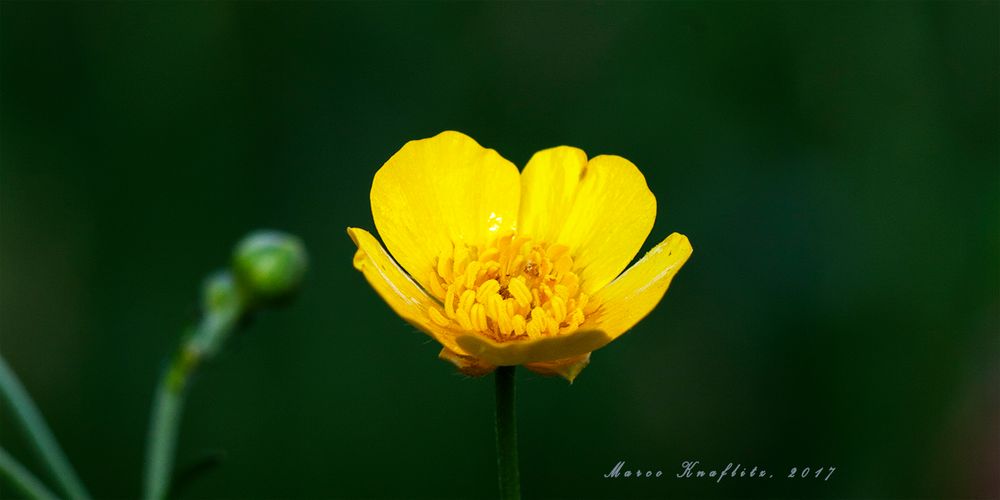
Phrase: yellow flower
(505, 268)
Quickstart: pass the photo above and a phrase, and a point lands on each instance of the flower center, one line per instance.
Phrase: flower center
(511, 289)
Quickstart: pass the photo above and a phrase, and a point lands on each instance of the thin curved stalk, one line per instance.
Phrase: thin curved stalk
(22, 479)
(163, 428)
(168, 404)
(41, 437)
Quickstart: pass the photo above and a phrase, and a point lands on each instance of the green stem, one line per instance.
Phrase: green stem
(168, 404)
(41, 437)
(163, 428)
(22, 479)
(507, 467)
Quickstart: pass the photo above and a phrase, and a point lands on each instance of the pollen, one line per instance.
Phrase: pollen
(513, 288)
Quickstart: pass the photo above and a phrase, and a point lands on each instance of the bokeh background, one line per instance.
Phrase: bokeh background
(835, 165)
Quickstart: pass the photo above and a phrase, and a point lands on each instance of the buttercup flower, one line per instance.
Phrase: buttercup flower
(505, 268)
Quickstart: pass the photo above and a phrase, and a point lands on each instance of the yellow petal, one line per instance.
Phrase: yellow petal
(440, 190)
(468, 365)
(565, 368)
(404, 296)
(548, 189)
(540, 349)
(635, 293)
(601, 209)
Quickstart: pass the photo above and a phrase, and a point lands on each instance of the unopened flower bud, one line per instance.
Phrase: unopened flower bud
(269, 266)
(220, 293)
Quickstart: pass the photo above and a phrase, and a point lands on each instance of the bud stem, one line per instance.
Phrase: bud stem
(168, 404)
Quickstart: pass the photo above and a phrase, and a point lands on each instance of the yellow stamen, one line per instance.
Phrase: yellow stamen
(463, 319)
(558, 308)
(471, 272)
(520, 291)
(449, 302)
(511, 289)
(519, 324)
(478, 316)
(494, 307)
(437, 317)
(445, 266)
(435, 285)
(487, 289)
(468, 298)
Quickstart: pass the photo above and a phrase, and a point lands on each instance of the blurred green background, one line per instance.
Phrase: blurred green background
(834, 164)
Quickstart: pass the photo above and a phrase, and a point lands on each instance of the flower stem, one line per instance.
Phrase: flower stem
(168, 404)
(507, 466)
(163, 429)
(266, 270)
(22, 479)
(41, 437)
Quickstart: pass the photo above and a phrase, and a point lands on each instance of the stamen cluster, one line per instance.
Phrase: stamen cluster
(512, 288)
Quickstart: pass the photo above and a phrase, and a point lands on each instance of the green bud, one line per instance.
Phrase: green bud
(269, 266)
(220, 293)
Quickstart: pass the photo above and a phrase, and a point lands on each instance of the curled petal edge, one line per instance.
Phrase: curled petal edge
(539, 350)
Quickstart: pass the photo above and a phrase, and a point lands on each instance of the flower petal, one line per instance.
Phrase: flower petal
(548, 189)
(471, 366)
(440, 190)
(566, 368)
(404, 296)
(635, 293)
(602, 209)
(542, 349)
